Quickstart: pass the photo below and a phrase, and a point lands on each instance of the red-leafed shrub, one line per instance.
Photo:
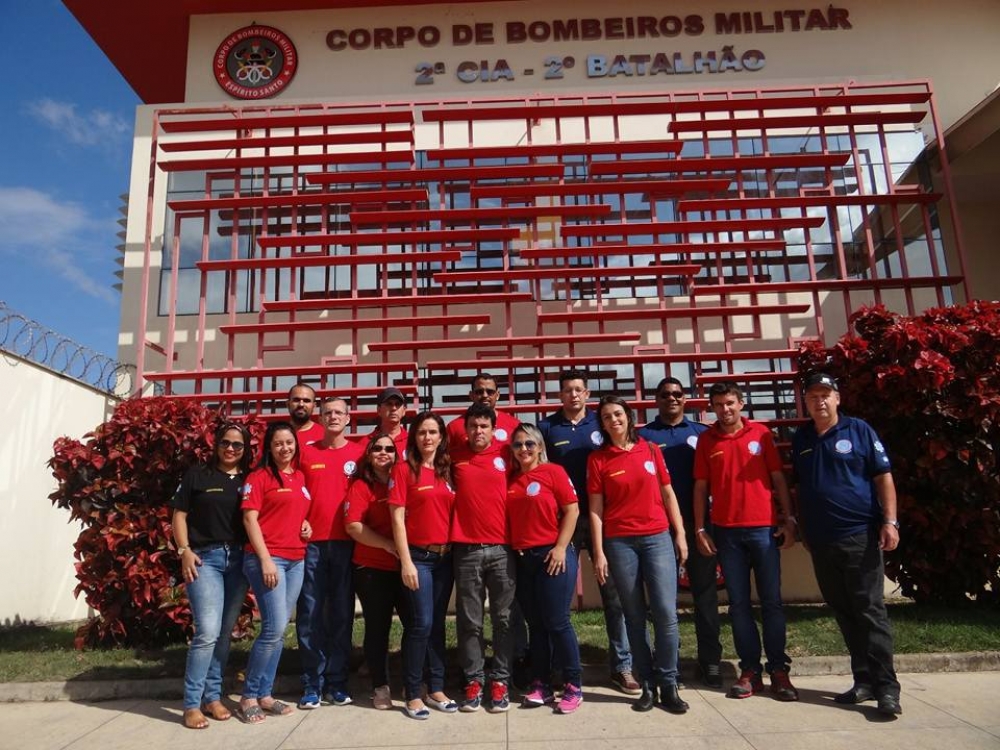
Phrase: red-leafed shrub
(117, 483)
(930, 386)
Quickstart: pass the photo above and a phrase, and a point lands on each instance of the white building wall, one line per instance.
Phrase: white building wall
(36, 538)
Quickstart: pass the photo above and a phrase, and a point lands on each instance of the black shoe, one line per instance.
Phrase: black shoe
(671, 700)
(857, 694)
(647, 700)
(521, 673)
(711, 675)
(888, 705)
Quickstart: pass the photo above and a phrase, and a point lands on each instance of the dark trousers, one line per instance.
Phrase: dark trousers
(705, 594)
(851, 576)
(380, 592)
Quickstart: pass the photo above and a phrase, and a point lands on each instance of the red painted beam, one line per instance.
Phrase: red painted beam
(443, 174)
(694, 227)
(512, 341)
(805, 201)
(289, 141)
(719, 164)
(774, 287)
(282, 396)
(296, 120)
(504, 214)
(313, 260)
(559, 272)
(555, 149)
(708, 311)
(422, 321)
(807, 122)
(409, 237)
(677, 248)
(603, 187)
(283, 372)
(287, 160)
(409, 300)
(590, 362)
(301, 199)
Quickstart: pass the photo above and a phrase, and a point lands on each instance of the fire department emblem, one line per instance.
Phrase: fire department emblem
(255, 62)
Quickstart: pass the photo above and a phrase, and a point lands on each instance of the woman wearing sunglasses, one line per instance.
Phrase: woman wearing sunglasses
(632, 511)
(421, 501)
(376, 563)
(275, 504)
(542, 510)
(209, 534)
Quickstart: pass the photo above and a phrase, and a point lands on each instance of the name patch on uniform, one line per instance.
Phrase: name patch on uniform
(316, 467)
(617, 473)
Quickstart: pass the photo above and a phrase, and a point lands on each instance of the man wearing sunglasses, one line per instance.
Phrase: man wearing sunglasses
(325, 613)
(677, 438)
(484, 391)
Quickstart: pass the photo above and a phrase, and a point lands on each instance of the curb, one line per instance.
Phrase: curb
(172, 687)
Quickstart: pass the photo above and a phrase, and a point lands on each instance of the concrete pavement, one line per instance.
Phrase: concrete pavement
(954, 709)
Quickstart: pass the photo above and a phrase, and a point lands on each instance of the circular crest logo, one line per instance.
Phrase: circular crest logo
(500, 434)
(843, 446)
(596, 438)
(879, 447)
(499, 465)
(255, 62)
(754, 447)
(692, 441)
(350, 467)
(533, 489)
(650, 467)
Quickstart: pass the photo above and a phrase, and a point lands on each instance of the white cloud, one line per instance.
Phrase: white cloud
(93, 128)
(61, 236)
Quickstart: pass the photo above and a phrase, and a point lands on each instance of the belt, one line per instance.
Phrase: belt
(434, 549)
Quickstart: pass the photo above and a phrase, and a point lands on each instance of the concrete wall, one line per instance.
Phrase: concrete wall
(36, 540)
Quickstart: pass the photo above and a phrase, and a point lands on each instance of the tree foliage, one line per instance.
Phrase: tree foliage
(930, 386)
(117, 482)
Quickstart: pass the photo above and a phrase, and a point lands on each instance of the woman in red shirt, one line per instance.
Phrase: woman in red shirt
(376, 564)
(421, 500)
(275, 503)
(542, 509)
(632, 510)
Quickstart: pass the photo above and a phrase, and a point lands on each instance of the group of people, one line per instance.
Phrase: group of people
(500, 510)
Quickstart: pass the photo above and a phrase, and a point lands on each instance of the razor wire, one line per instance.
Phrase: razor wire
(28, 339)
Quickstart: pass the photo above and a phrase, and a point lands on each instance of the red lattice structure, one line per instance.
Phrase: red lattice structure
(703, 235)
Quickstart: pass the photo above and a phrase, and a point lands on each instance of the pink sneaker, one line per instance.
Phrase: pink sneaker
(538, 695)
(571, 699)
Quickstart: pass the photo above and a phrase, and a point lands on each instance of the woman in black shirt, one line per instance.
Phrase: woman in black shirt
(209, 535)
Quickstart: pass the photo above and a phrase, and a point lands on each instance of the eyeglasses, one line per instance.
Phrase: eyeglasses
(382, 449)
(236, 445)
(529, 444)
(484, 391)
(671, 394)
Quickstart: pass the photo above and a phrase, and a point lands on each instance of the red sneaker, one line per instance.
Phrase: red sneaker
(748, 684)
(781, 687)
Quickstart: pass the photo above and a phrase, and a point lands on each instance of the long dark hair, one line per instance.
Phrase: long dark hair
(631, 435)
(246, 458)
(442, 461)
(266, 459)
(365, 471)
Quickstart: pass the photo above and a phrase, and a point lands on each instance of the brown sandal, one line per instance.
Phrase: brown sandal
(195, 719)
(217, 710)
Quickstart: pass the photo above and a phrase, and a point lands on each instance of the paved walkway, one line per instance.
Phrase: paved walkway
(952, 710)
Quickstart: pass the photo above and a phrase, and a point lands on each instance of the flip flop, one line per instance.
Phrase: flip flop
(217, 710)
(195, 719)
(278, 709)
(251, 714)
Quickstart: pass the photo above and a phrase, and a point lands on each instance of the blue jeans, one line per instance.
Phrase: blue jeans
(324, 620)
(423, 628)
(640, 564)
(619, 657)
(276, 606)
(741, 550)
(216, 598)
(545, 601)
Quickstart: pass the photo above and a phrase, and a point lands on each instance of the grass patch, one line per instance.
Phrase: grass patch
(30, 653)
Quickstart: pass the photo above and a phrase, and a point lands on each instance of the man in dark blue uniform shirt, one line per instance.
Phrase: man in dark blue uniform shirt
(677, 437)
(847, 509)
(570, 435)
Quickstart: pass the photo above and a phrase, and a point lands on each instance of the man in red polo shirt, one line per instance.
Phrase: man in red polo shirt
(484, 391)
(484, 563)
(325, 616)
(736, 460)
(391, 408)
(301, 403)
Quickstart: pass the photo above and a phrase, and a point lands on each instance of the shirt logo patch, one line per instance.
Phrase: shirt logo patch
(596, 438)
(650, 467)
(879, 447)
(316, 467)
(754, 447)
(843, 446)
(392, 483)
(245, 489)
(349, 468)
(692, 441)
(533, 489)
(499, 465)
(500, 434)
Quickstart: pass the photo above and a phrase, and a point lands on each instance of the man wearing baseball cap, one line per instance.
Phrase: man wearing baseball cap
(847, 505)
(391, 408)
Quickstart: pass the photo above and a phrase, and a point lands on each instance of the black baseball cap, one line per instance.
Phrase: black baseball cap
(821, 378)
(388, 393)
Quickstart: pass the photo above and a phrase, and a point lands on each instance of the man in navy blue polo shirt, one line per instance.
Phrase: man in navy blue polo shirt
(570, 435)
(677, 437)
(848, 514)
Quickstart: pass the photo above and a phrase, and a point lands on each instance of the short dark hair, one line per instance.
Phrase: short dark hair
(300, 384)
(477, 411)
(725, 388)
(670, 381)
(567, 375)
(483, 376)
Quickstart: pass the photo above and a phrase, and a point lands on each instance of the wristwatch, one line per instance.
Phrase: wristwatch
(892, 522)
(182, 550)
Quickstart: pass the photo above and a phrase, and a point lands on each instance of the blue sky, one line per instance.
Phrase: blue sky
(65, 151)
